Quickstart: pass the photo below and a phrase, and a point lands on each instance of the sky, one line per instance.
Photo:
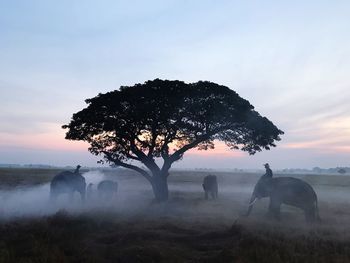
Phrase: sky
(290, 59)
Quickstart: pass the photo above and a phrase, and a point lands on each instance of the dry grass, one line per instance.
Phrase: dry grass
(87, 238)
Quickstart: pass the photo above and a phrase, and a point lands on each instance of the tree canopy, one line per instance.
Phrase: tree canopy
(164, 119)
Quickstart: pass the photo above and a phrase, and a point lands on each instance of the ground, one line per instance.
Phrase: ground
(133, 228)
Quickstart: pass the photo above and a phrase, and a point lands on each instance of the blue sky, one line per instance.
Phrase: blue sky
(291, 60)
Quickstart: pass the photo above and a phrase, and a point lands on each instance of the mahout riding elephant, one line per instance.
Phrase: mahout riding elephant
(210, 186)
(106, 189)
(68, 182)
(286, 190)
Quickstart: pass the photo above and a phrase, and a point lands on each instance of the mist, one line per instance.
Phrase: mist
(34, 201)
(135, 198)
(131, 225)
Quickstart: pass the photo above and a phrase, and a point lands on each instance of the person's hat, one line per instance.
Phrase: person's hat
(266, 164)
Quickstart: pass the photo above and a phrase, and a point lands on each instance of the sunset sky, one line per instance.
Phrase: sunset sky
(290, 59)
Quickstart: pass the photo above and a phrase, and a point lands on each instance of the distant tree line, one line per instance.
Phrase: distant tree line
(318, 170)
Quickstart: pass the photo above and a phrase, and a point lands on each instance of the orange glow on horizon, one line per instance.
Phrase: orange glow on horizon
(50, 140)
(332, 136)
(220, 150)
(54, 139)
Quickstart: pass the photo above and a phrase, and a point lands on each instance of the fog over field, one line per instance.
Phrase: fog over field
(30, 201)
(135, 197)
(133, 228)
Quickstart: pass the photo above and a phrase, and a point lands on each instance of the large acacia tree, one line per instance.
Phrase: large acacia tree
(161, 119)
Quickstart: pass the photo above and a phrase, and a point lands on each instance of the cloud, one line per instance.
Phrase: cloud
(221, 150)
(290, 60)
(24, 155)
(52, 139)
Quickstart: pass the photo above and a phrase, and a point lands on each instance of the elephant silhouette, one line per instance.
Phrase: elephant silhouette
(286, 190)
(107, 189)
(68, 182)
(210, 186)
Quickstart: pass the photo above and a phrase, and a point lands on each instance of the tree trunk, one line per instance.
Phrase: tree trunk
(160, 187)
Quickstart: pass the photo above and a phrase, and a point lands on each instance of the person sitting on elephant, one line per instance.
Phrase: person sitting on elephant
(76, 171)
(268, 172)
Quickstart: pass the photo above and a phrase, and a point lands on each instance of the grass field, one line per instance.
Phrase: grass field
(132, 228)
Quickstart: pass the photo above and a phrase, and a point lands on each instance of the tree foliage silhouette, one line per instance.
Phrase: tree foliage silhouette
(162, 119)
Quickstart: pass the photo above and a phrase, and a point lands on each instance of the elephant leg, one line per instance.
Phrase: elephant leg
(71, 196)
(82, 195)
(212, 194)
(275, 208)
(53, 197)
(205, 192)
(105, 196)
(310, 214)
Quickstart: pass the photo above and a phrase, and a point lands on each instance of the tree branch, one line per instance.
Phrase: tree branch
(129, 166)
(153, 142)
(143, 143)
(177, 155)
(148, 161)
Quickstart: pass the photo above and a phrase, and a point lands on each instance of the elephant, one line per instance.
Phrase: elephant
(68, 182)
(89, 191)
(107, 188)
(210, 186)
(286, 190)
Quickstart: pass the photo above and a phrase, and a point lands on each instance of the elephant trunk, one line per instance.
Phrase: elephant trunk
(253, 199)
